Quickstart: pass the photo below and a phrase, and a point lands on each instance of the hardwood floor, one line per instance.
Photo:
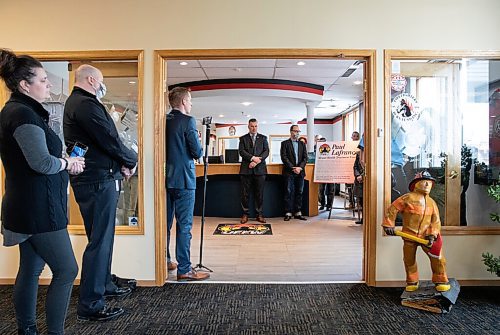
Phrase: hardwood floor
(316, 250)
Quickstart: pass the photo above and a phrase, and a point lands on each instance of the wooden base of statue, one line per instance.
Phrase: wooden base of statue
(428, 299)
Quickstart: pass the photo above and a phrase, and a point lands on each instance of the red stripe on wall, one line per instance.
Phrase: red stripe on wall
(256, 86)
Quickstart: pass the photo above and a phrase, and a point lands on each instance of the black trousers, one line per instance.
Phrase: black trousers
(97, 204)
(253, 183)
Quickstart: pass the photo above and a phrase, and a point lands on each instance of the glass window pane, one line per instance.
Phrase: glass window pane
(445, 119)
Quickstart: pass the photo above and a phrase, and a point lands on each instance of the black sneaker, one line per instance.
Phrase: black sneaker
(105, 314)
(119, 292)
(124, 282)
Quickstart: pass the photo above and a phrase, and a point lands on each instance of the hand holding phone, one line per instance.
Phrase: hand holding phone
(78, 150)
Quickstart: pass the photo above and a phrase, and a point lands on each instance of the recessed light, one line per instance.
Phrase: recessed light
(357, 82)
(246, 103)
(131, 82)
(248, 115)
(221, 115)
(301, 63)
(183, 63)
(264, 122)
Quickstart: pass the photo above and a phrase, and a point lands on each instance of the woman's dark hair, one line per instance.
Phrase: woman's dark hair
(14, 69)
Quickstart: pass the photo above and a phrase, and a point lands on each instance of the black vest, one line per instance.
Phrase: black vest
(33, 202)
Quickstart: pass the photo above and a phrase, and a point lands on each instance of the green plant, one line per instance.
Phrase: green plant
(492, 263)
(494, 192)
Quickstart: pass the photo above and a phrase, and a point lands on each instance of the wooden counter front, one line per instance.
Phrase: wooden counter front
(217, 169)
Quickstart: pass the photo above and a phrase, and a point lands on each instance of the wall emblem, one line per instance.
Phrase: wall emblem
(398, 82)
(405, 108)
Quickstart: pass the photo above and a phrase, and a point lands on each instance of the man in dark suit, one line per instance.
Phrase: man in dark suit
(294, 157)
(97, 189)
(183, 146)
(253, 149)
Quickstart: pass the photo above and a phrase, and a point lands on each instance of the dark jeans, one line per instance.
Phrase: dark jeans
(170, 222)
(97, 204)
(325, 194)
(255, 183)
(52, 248)
(294, 185)
(181, 203)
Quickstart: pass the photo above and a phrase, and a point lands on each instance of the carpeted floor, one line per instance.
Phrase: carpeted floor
(209, 308)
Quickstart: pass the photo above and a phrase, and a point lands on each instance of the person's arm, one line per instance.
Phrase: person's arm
(104, 134)
(242, 150)
(303, 162)
(390, 215)
(435, 224)
(284, 157)
(265, 151)
(31, 140)
(194, 146)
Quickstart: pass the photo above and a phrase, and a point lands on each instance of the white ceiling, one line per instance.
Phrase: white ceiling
(339, 93)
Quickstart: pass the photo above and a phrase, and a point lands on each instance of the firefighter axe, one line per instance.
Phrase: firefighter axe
(434, 248)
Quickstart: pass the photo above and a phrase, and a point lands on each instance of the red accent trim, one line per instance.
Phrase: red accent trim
(255, 86)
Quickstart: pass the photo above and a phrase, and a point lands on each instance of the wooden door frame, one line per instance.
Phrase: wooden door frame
(370, 131)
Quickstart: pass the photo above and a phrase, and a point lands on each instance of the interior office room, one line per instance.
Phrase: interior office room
(371, 62)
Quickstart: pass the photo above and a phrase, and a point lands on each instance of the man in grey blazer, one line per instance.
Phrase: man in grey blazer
(183, 146)
(253, 149)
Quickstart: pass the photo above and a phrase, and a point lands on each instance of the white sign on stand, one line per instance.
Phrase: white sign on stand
(335, 161)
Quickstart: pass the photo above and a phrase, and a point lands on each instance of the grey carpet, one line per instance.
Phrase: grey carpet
(276, 309)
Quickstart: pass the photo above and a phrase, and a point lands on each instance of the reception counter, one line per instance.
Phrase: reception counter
(223, 191)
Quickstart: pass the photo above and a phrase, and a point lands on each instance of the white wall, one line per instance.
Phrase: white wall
(217, 24)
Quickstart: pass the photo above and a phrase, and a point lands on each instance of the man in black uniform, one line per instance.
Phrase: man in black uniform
(96, 189)
(253, 149)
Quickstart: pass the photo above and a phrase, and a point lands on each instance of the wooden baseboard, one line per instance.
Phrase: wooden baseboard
(465, 282)
(46, 281)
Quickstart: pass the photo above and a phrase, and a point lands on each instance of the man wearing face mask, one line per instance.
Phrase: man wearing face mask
(96, 190)
(294, 157)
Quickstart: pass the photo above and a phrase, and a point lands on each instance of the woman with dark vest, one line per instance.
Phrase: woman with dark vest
(34, 205)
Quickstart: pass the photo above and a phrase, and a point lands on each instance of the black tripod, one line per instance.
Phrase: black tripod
(206, 121)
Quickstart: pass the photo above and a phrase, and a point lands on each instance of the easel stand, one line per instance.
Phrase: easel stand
(200, 265)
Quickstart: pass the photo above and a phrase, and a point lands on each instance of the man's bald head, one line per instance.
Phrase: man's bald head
(88, 78)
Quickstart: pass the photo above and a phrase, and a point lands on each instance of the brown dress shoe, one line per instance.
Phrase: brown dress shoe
(244, 218)
(171, 266)
(193, 275)
(260, 219)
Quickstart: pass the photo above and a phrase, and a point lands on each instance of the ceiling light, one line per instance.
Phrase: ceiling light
(248, 115)
(183, 63)
(264, 122)
(357, 82)
(131, 82)
(246, 103)
(301, 63)
(221, 115)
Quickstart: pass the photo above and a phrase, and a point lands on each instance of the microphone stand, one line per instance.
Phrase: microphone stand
(200, 265)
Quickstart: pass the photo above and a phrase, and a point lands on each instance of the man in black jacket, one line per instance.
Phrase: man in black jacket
(294, 157)
(253, 149)
(96, 189)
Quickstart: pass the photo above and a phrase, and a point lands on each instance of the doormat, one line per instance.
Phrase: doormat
(243, 229)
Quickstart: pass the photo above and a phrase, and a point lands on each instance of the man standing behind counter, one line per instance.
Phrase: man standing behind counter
(294, 157)
(253, 149)
(96, 189)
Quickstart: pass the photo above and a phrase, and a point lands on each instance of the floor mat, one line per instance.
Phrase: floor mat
(243, 229)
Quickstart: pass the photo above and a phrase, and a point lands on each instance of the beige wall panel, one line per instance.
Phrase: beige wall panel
(199, 24)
